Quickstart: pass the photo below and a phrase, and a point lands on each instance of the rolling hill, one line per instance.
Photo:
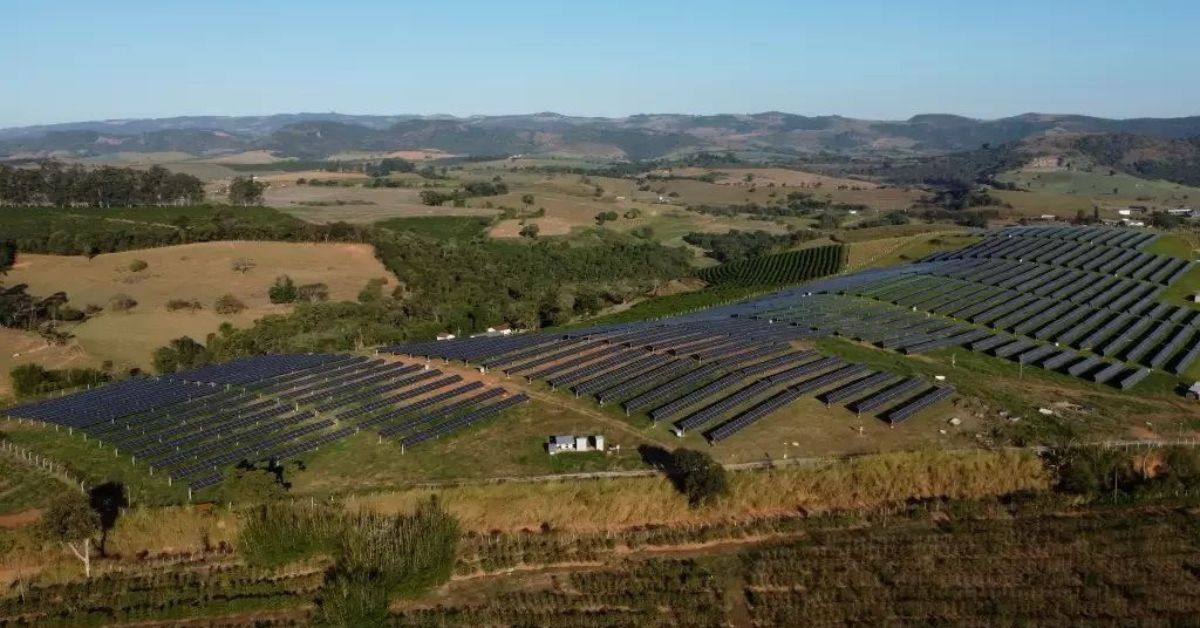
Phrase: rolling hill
(643, 136)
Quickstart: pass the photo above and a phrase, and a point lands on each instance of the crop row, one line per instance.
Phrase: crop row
(780, 268)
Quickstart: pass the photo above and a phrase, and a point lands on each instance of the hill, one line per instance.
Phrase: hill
(644, 136)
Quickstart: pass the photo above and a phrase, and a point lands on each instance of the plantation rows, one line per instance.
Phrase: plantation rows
(161, 595)
(779, 269)
(672, 593)
(1068, 571)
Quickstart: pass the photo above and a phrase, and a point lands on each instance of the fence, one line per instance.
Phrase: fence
(52, 467)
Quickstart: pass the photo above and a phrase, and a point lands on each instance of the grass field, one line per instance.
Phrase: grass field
(1066, 193)
(1080, 410)
(511, 445)
(892, 251)
(24, 487)
(195, 271)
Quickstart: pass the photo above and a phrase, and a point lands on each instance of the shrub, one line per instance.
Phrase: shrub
(530, 231)
(122, 303)
(372, 292)
(312, 293)
(283, 291)
(228, 304)
(243, 265)
(174, 305)
(137, 266)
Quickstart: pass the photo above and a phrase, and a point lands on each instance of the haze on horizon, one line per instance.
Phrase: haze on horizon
(872, 59)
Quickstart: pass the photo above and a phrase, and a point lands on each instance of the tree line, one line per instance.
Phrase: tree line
(58, 185)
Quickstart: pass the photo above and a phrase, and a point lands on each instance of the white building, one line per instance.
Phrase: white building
(567, 442)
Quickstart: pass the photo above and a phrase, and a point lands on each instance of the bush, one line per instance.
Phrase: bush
(283, 291)
(122, 303)
(242, 265)
(228, 304)
(174, 305)
(312, 293)
(137, 266)
(530, 231)
(372, 292)
(375, 556)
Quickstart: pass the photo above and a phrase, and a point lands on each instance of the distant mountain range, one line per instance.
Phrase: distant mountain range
(647, 136)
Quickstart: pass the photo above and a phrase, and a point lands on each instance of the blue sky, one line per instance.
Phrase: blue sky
(74, 60)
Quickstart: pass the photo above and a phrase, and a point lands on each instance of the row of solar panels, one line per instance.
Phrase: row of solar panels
(1108, 332)
(1138, 265)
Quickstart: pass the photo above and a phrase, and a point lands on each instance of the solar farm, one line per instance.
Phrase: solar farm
(191, 426)
(1080, 301)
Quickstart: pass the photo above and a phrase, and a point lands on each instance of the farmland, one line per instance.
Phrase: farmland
(200, 272)
(875, 375)
(780, 269)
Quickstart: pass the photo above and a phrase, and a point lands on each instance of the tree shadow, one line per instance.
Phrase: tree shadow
(663, 460)
(107, 500)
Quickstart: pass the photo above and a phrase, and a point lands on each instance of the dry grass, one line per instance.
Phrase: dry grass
(858, 483)
(778, 176)
(172, 530)
(249, 157)
(195, 271)
(20, 347)
(353, 204)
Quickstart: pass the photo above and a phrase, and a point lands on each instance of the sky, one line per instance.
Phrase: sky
(73, 60)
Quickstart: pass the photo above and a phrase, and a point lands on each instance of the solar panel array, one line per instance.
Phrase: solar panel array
(718, 375)
(192, 426)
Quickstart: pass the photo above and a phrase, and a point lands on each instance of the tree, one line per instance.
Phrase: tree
(527, 199)
(180, 354)
(71, 521)
(246, 191)
(604, 217)
(284, 290)
(434, 198)
(698, 476)
(252, 484)
(530, 231)
(8, 255)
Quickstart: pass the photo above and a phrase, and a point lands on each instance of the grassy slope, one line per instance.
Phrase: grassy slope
(94, 463)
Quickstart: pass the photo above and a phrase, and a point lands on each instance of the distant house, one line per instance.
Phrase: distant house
(567, 443)
(446, 336)
(499, 330)
(1124, 212)
(1180, 211)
